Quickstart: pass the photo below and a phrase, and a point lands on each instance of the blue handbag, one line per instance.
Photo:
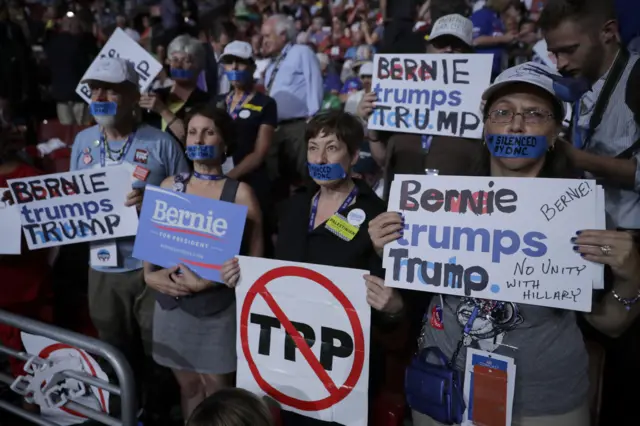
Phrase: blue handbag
(435, 390)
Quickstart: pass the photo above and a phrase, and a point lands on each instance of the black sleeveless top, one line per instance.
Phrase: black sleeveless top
(212, 300)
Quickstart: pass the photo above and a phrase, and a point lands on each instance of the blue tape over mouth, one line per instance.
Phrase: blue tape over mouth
(181, 73)
(103, 108)
(517, 146)
(201, 152)
(325, 172)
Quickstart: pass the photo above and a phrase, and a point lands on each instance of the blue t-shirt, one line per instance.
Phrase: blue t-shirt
(352, 85)
(152, 149)
(487, 22)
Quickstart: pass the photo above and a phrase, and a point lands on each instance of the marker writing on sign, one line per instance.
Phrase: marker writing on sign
(445, 70)
(39, 189)
(401, 117)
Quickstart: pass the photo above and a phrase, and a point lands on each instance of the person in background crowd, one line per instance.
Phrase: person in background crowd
(166, 108)
(489, 34)
(221, 33)
(584, 38)
(552, 382)
(351, 85)
(294, 80)
(119, 305)
(411, 154)
(317, 32)
(255, 117)
(69, 53)
(365, 75)
(194, 324)
(232, 407)
(359, 38)
(123, 23)
(306, 234)
(627, 12)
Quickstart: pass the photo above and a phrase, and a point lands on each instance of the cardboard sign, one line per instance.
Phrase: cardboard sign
(120, 45)
(200, 232)
(303, 338)
(430, 94)
(74, 207)
(11, 241)
(504, 239)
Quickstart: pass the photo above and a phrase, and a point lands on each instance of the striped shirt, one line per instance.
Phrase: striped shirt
(615, 134)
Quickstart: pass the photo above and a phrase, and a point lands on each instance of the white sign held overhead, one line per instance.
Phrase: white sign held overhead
(433, 94)
(120, 45)
(503, 239)
(303, 338)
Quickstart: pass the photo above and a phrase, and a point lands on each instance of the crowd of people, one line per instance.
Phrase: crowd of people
(253, 97)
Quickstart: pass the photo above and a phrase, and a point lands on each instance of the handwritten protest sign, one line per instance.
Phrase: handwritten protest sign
(120, 45)
(200, 232)
(430, 94)
(73, 207)
(494, 238)
(11, 241)
(303, 338)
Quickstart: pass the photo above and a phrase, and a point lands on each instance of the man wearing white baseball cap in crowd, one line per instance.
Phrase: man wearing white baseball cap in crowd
(405, 153)
(120, 308)
(365, 74)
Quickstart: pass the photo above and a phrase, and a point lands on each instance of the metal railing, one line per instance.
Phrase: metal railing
(125, 390)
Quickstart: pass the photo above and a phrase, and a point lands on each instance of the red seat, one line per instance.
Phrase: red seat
(50, 129)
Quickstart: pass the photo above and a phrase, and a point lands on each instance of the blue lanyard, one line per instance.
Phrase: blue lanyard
(578, 135)
(426, 142)
(208, 177)
(316, 200)
(238, 107)
(123, 151)
(276, 67)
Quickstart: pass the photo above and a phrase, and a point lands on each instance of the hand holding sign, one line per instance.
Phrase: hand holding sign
(622, 254)
(385, 228)
(382, 298)
(134, 198)
(150, 101)
(186, 278)
(230, 272)
(161, 281)
(366, 105)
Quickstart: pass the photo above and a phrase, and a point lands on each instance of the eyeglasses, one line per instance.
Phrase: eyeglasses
(505, 116)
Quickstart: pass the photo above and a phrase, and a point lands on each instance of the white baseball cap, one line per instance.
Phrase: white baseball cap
(112, 70)
(239, 49)
(454, 25)
(366, 69)
(531, 73)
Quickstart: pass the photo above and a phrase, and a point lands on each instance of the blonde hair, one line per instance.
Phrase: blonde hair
(231, 407)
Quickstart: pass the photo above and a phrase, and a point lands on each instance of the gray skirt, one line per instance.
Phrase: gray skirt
(203, 345)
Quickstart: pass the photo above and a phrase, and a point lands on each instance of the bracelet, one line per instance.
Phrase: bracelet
(626, 302)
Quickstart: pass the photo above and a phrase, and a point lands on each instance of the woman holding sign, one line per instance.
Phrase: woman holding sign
(326, 224)
(195, 319)
(545, 344)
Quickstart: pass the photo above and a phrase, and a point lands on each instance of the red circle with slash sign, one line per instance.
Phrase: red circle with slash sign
(336, 394)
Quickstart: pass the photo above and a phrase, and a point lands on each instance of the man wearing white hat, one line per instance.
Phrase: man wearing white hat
(120, 308)
(410, 153)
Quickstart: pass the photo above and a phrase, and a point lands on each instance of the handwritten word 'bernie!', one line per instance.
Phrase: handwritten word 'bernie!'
(453, 200)
(444, 70)
(571, 194)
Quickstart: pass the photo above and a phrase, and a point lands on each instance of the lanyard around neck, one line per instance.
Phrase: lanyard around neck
(239, 105)
(106, 152)
(276, 67)
(207, 176)
(316, 200)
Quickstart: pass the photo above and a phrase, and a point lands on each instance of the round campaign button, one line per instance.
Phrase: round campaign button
(244, 113)
(356, 217)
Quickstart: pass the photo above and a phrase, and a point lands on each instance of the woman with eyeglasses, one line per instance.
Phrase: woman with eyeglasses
(552, 383)
(255, 117)
(166, 108)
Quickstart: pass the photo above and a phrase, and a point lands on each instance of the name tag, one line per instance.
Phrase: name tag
(341, 228)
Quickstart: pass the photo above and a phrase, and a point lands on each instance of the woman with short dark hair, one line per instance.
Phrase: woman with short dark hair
(231, 407)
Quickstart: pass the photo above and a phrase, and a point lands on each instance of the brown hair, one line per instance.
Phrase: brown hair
(345, 126)
(231, 407)
(556, 12)
(223, 122)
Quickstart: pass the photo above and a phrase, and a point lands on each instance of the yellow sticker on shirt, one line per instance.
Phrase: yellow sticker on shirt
(252, 107)
(342, 229)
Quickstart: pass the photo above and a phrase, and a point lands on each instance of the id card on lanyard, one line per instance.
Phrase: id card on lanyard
(337, 224)
(104, 253)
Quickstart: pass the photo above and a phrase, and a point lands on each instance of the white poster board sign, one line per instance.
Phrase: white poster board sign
(9, 226)
(542, 55)
(430, 94)
(504, 239)
(120, 45)
(73, 207)
(322, 371)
